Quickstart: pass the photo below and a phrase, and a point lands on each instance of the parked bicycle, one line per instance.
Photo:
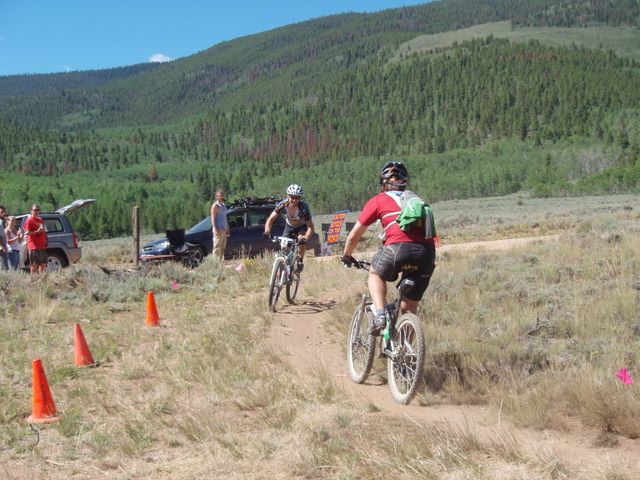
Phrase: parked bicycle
(402, 343)
(285, 271)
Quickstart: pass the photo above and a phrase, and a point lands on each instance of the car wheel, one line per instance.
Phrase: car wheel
(197, 256)
(56, 262)
(194, 257)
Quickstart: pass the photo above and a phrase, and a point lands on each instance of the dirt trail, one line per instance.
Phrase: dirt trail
(299, 333)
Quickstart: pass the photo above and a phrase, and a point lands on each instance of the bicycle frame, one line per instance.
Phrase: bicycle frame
(393, 311)
(283, 272)
(402, 343)
(288, 249)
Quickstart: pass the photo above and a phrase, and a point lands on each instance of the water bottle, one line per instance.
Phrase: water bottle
(389, 310)
(386, 334)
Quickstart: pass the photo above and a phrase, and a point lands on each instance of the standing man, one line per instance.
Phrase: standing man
(4, 247)
(36, 240)
(298, 222)
(219, 225)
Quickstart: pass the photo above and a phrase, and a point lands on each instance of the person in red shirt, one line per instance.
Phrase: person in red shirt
(36, 240)
(409, 252)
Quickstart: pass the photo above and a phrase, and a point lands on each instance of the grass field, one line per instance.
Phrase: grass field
(536, 333)
(624, 41)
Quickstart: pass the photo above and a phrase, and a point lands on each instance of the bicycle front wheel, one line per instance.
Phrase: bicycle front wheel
(406, 363)
(292, 286)
(360, 347)
(275, 282)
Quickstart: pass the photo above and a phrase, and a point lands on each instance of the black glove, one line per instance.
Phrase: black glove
(348, 261)
(266, 235)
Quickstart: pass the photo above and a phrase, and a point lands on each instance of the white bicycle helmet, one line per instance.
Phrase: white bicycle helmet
(295, 190)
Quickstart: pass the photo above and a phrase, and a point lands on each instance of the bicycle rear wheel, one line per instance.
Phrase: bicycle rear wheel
(292, 286)
(275, 282)
(360, 347)
(406, 364)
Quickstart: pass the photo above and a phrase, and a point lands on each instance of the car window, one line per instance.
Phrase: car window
(53, 225)
(201, 226)
(235, 220)
(257, 218)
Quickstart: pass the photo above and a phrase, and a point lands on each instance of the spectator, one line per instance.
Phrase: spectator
(4, 248)
(219, 225)
(14, 239)
(36, 240)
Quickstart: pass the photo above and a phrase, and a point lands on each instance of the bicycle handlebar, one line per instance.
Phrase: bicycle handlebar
(352, 262)
(285, 241)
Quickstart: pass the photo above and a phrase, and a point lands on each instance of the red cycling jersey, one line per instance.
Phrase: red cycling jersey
(379, 206)
(35, 241)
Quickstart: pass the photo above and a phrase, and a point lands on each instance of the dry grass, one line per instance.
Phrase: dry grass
(539, 332)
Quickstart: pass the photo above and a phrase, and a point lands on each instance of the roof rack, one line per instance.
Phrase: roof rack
(254, 201)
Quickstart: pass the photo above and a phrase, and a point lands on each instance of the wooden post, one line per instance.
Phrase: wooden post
(135, 222)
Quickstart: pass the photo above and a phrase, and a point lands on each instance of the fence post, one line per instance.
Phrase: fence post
(135, 222)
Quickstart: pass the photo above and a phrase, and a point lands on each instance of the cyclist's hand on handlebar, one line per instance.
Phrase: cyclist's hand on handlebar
(348, 261)
(266, 235)
(302, 239)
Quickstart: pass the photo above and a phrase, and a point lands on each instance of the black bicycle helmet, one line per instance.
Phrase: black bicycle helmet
(394, 169)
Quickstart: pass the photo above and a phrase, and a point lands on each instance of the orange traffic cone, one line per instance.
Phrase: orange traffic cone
(153, 319)
(82, 354)
(44, 410)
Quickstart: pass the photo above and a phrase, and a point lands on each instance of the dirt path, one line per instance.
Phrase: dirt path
(299, 331)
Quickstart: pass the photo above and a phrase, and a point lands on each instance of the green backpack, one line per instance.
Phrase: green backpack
(414, 211)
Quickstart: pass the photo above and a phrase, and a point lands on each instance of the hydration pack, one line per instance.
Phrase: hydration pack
(413, 212)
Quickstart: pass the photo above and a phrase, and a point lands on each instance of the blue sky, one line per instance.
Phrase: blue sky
(44, 36)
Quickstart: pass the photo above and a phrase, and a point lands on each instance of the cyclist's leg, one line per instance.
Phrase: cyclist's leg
(301, 247)
(424, 257)
(377, 290)
(384, 268)
(407, 305)
(293, 233)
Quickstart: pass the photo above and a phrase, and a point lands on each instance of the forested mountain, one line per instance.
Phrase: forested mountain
(256, 67)
(19, 85)
(323, 103)
(577, 13)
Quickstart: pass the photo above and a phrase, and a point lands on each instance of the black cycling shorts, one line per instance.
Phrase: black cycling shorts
(293, 232)
(414, 260)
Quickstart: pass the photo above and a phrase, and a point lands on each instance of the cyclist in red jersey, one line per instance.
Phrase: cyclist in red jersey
(407, 252)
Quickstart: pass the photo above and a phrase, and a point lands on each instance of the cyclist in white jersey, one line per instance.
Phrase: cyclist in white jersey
(299, 224)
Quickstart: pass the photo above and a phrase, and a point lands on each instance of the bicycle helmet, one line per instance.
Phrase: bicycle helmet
(295, 190)
(394, 169)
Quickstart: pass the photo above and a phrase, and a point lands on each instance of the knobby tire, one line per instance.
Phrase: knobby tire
(292, 287)
(405, 367)
(360, 347)
(275, 282)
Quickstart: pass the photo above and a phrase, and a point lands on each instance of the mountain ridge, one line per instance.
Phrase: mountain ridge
(238, 62)
(325, 102)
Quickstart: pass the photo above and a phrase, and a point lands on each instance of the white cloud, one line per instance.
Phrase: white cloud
(159, 58)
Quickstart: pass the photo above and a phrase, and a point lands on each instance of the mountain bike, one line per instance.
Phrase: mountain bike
(285, 271)
(402, 343)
